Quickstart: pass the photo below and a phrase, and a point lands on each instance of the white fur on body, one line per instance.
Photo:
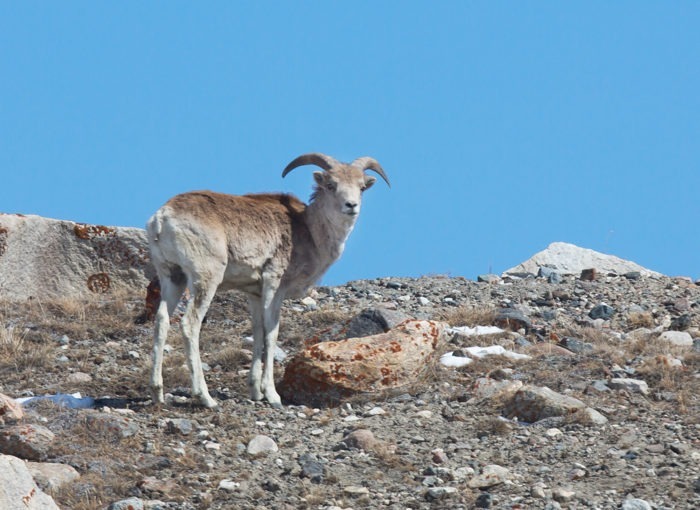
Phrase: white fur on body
(269, 246)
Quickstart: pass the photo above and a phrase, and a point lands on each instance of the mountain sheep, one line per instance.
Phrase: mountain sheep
(269, 246)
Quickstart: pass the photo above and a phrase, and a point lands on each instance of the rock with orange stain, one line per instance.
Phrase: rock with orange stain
(327, 372)
(10, 411)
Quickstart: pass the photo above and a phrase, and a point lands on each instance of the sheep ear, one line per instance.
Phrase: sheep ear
(369, 180)
(320, 178)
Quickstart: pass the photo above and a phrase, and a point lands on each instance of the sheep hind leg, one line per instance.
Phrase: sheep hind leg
(255, 374)
(191, 327)
(170, 294)
(272, 303)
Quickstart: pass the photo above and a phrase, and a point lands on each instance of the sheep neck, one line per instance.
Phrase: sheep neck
(329, 229)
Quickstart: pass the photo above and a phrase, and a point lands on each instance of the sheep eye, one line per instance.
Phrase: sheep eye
(332, 186)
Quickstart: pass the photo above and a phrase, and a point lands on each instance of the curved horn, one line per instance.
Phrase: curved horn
(366, 163)
(313, 158)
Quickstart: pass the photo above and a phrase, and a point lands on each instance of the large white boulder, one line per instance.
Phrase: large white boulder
(17, 488)
(47, 258)
(567, 258)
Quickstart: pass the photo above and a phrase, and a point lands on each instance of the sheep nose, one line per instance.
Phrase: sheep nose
(350, 205)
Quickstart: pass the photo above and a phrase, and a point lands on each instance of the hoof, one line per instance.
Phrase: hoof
(208, 402)
(157, 398)
(256, 395)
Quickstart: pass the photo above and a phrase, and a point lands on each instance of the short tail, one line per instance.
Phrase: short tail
(154, 227)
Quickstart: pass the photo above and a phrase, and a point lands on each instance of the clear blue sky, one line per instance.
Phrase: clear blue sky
(504, 126)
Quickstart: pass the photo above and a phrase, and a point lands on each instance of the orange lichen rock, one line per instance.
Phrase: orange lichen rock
(85, 231)
(327, 372)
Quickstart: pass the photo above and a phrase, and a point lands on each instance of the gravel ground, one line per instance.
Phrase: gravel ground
(433, 444)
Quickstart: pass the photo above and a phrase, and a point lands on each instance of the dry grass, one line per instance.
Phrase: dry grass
(231, 358)
(386, 454)
(18, 354)
(636, 320)
(597, 337)
(579, 417)
(322, 319)
(468, 316)
(492, 426)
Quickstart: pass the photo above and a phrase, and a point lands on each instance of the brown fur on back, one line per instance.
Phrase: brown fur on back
(200, 204)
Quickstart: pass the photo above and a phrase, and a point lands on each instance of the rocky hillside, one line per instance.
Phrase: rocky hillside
(591, 401)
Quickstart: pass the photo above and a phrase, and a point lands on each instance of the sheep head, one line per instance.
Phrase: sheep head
(341, 183)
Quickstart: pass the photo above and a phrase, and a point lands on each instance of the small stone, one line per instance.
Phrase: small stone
(179, 426)
(576, 345)
(375, 411)
(631, 385)
(576, 474)
(484, 500)
(439, 493)
(602, 311)
(491, 475)
(362, 439)
(29, 442)
(355, 492)
(153, 485)
(212, 446)
(681, 323)
(272, 486)
(424, 414)
(562, 494)
(439, 456)
(488, 278)
(423, 300)
(111, 426)
(600, 386)
(309, 303)
(261, 444)
(78, 378)
(229, 485)
(553, 432)
(589, 275)
(50, 476)
(679, 448)
(127, 504)
(635, 504)
(512, 319)
(462, 473)
(311, 468)
(537, 491)
(679, 338)
(10, 411)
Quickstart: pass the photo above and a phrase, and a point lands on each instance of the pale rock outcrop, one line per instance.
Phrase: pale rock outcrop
(47, 258)
(566, 258)
(326, 372)
(18, 491)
